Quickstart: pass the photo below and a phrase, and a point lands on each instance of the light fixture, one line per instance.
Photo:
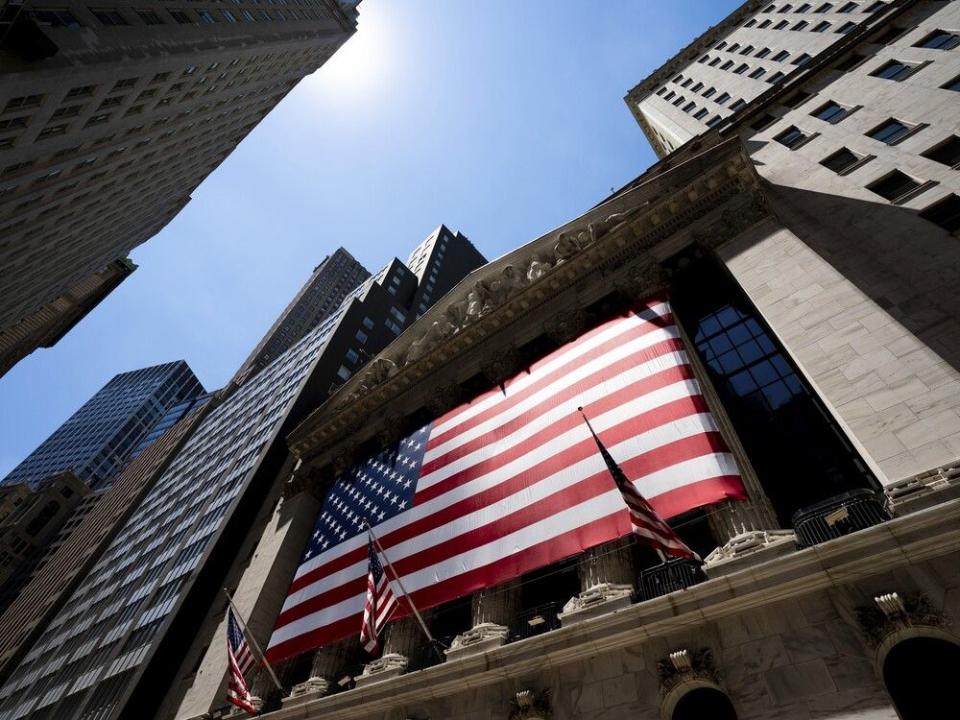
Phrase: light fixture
(890, 604)
(680, 659)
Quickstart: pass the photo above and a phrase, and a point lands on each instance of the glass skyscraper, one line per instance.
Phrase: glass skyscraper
(97, 439)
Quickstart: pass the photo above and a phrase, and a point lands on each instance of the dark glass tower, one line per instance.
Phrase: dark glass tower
(96, 441)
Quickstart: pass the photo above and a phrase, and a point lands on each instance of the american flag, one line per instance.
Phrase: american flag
(241, 659)
(512, 480)
(380, 602)
(647, 525)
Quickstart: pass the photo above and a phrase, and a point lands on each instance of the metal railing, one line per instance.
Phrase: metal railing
(839, 516)
(535, 621)
(668, 577)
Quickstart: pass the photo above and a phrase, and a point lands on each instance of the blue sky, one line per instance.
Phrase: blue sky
(501, 118)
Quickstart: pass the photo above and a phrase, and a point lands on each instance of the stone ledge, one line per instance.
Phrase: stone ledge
(919, 536)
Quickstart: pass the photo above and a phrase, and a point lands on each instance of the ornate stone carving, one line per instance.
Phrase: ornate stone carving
(389, 665)
(892, 612)
(478, 639)
(444, 398)
(492, 612)
(734, 220)
(757, 545)
(606, 578)
(501, 365)
(531, 705)
(377, 372)
(391, 430)
(681, 666)
(646, 280)
(565, 326)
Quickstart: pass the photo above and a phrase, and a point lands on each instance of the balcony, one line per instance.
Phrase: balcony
(838, 516)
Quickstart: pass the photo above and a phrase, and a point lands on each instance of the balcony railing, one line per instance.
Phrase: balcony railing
(839, 516)
(668, 577)
(535, 621)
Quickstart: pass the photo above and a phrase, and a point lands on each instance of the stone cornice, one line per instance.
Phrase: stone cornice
(877, 550)
(706, 200)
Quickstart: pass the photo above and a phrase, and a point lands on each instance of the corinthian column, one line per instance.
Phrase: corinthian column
(493, 611)
(607, 576)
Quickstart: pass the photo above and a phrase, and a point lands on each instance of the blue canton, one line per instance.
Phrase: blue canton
(234, 634)
(377, 489)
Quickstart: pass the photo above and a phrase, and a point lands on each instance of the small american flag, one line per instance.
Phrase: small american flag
(380, 602)
(241, 659)
(647, 525)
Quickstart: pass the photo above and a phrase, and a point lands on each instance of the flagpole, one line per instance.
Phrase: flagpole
(376, 541)
(660, 553)
(253, 641)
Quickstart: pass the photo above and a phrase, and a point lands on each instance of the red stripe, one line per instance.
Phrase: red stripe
(590, 487)
(513, 399)
(575, 453)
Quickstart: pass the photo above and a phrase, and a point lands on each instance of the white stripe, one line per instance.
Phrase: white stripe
(530, 495)
(576, 375)
(578, 349)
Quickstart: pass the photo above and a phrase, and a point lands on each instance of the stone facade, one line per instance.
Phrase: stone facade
(797, 639)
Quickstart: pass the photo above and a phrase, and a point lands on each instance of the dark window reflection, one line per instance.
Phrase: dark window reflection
(800, 455)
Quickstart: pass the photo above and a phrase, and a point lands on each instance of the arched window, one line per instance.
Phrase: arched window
(920, 675)
(704, 702)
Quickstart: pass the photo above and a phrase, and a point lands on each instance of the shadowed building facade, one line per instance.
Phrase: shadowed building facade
(129, 617)
(807, 241)
(111, 115)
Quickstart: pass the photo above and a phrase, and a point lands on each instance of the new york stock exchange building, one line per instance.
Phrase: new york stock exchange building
(763, 331)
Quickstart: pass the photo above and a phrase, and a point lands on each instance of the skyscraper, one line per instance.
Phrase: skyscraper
(439, 263)
(95, 441)
(166, 565)
(332, 280)
(111, 115)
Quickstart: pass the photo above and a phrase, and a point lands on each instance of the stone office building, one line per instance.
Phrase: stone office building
(816, 295)
(112, 113)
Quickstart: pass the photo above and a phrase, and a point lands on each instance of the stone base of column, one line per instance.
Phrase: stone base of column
(477, 640)
(749, 548)
(236, 712)
(311, 689)
(389, 666)
(595, 601)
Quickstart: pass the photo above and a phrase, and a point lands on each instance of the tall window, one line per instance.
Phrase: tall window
(799, 453)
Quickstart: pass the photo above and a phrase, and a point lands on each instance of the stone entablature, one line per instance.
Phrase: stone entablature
(785, 628)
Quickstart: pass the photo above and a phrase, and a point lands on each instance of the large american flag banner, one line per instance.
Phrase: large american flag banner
(512, 480)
